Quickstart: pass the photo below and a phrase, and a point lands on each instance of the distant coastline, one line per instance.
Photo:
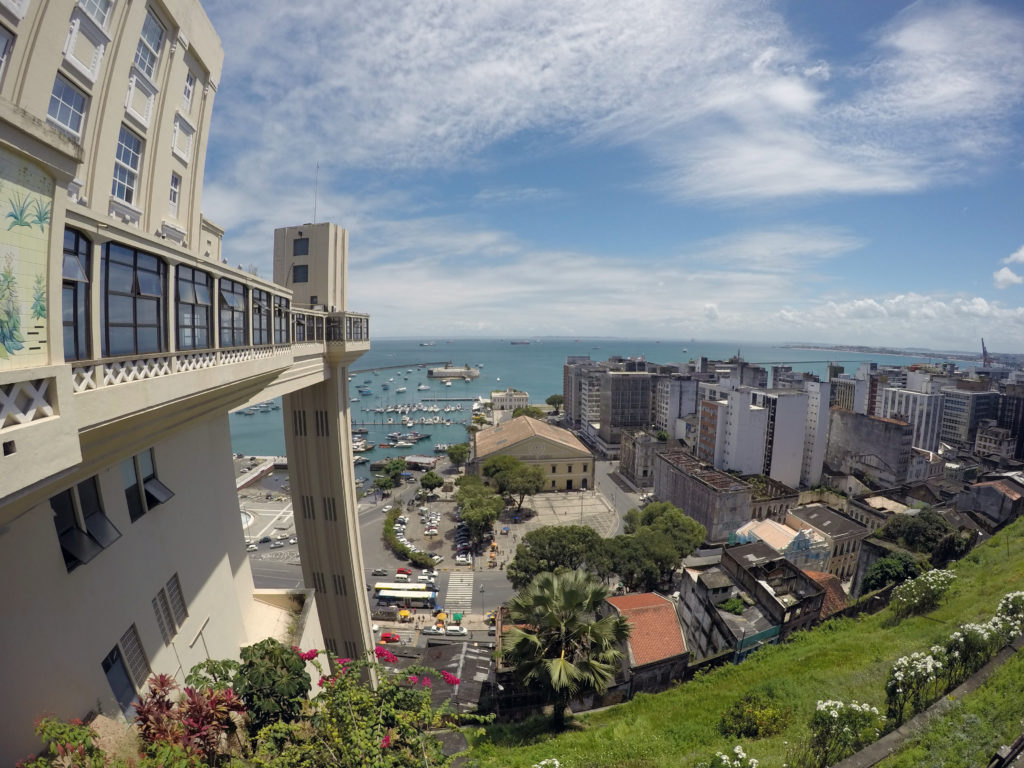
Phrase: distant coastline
(890, 351)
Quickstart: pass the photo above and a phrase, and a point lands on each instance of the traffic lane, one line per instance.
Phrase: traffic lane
(275, 574)
(621, 501)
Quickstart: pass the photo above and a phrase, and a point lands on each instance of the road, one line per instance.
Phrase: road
(621, 498)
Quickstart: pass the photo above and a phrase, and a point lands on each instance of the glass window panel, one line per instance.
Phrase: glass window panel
(70, 351)
(122, 341)
(202, 338)
(157, 493)
(177, 600)
(149, 340)
(121, 254)
(89, 496)
(81, 548)
(203, 294)
(120, 278)
(148, 261)
(128, 478)
(63, 511)
(68, 304)
(186, 339)
(150, 283)
(121, 309)
(101, 529)
(185, 314)
(73, 269)
(146, 311)
(146, 464)
(186, 292)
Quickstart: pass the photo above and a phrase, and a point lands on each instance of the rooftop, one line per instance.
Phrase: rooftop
(827, 520)
(705, 473)
(835, 598)
(766, 488)
(656, 633)
(489, 441)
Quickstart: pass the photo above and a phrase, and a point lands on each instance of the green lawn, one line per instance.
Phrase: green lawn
(844, 659)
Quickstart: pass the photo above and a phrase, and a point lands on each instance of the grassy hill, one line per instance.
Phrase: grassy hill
(844, 659)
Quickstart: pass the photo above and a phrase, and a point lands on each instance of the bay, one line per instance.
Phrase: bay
(534, 367)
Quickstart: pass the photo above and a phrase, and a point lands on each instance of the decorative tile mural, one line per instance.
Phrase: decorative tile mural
(26, 204)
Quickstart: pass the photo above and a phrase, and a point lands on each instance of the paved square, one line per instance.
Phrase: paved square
(588, 508)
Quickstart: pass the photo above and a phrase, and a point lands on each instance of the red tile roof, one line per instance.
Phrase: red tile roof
(656, 633)
(835, 597)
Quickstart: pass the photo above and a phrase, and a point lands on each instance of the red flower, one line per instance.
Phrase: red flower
(386, 741)
(449, 678)
(413, 679)
(426, 682)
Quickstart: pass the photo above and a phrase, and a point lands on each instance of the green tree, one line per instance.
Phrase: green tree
(383, 483)
(554, 547)
(555, 401)
(458, 454)
(892, 569)
(497, 465)
(522, 482)
(557, 644)
(394, 469)
(431, 481)
(662, 436)
(529, 410)
(919, 532)
(480, 513)
(273, 682)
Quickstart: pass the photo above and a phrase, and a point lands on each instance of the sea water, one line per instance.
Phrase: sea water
(535, 368)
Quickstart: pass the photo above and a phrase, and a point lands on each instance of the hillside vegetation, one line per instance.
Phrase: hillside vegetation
(843, 659)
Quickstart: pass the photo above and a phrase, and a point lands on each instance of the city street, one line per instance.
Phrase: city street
(618, 494)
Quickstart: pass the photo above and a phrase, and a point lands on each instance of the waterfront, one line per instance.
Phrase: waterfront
(535, 367)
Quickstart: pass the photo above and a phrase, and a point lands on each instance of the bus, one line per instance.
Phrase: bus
(407, 598)
(380, 586)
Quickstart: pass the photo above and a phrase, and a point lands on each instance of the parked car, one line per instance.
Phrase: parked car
(379, 571)
(423, 577)
(404, 570)
(432, 630)
(457, 631)
(462, 560)
(437, 558)
(390, 637)
(293, 540)
(251, 548)
(276, 544)
(429, 573)
(265, 540)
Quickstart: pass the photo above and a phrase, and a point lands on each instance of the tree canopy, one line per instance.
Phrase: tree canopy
(555, 547)
(513, 478)
(892, 569)
(431, 481)
(557, 644)
(555, 401)
(458, 454)
(529, 410)
(480, 506)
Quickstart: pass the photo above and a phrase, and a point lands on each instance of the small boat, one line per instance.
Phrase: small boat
(360, 431)
(384, 386)
(440, 447)
(466, 379)
(498, 379)
(400, 389)
(447, 383)
(360, 460)
(353, 400)
(422, 387)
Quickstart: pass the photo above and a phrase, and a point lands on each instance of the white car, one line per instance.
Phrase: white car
(432, 631)
(437, 558)
(457, 631)
(252, 548)
(387, 508)
(462, 560)
(428, 574)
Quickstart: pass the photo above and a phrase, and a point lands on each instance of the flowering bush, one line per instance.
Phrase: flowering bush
(1012, 606)
(838, 730)
(738, 759)
(921, 594)
(67, 744)
(912, 680)
(349, 723)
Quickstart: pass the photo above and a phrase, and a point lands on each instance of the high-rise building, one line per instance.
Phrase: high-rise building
(125, 341)
(962, 411)
(921, 410)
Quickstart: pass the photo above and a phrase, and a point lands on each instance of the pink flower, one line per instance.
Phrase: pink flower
(449, 678)
(413, 679)
(343, 661)
(386, 741)
(379, 651)
(426, 682)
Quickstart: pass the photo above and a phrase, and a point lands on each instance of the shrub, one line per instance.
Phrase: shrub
(921, 594)
(912, 680)
(755, 715)
(838, 730)
(67, 744)
(894, 569)
(733, 605)
(272, 682)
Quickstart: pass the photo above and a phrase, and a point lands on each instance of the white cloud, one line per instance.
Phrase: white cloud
(1017, 257)
(1006, 277)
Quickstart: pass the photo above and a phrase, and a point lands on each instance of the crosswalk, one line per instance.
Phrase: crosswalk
(460, 591)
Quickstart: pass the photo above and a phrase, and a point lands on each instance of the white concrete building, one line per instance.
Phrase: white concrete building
(124, 343)
(509, 399)
(921, 410)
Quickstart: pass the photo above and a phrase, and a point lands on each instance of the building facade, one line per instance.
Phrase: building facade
(718, 501)
(923, 411)
(125, 341)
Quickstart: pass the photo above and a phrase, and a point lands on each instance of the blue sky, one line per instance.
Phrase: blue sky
(840, 172)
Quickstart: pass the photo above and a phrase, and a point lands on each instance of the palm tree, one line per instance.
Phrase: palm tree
(557, 642)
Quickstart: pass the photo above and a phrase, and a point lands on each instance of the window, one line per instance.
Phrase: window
(232, 313)
(169, 608)
(142, 489)
(260, 317)
(570, 468)
(6, 43)
(585, 468)
(126, 165)
(67, 106)
(75, 297)
(83, 530)
(281, 305)
(190, 87)
(147, 55)
(553, 469)
(300, 273)
(120, 683)
(313, 301)
(132, 311)
(193, 308)
(175, 194)
(300, 247)
(135, 657)
(98, 10)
